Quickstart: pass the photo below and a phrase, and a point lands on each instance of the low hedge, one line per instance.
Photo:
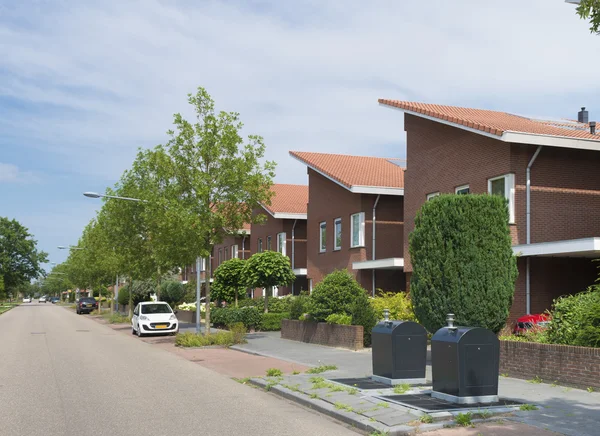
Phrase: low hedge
(276, 305)
(272, 321)
(249, 316)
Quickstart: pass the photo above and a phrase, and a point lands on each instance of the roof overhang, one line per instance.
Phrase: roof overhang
(300, 271)
(389, 263)
(515, 137)
(586, 247)
(356, 189)
(285, 215)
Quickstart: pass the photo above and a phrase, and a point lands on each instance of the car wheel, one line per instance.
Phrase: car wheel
(132, 330)
(139, 331)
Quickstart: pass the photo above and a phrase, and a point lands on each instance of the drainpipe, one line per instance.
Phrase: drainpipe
(373, 252)
(528, 214)
(244, 247)
(293, 251)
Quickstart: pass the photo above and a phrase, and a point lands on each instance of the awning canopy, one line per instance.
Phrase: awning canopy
(389, 263)
(586, 248)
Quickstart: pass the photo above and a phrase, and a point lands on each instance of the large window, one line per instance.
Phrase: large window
(461, 190)
(337, 234)
(268, 243)
(322, 237)
(260, 248)
(281, 242)
(357, 229)
(234, 251)
(505, 187)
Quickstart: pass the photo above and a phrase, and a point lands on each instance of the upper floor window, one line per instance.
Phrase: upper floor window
(505, 187)
(281, 242)
(322, 237)
(357, 229)
(337, 234)
(432, 195)
(234, 251)
(260, 247)
(268, 243)
(220, 260)
(464, 189)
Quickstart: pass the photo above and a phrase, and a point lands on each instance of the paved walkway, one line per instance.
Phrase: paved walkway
(565, 410)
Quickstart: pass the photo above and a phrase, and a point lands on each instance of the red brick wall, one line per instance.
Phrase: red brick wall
(271, 227)
(328, 201)
(225, 246)
(572, 366)
(332, 335)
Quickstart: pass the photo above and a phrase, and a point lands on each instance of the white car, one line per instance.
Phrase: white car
(153, 317)
(27, 300)
(42, 299)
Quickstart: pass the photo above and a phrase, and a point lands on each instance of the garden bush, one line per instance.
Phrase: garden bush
(123, 298)
(276, 304)
(463, 263)
(399, 305)
(223, 317)
(195, 340)
(172, 292)
(576, 319)
(339, 318)
(299, 306)
(336, 294)
(272, 321)
(364, 315)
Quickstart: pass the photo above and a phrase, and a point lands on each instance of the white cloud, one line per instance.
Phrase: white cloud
(106, 78)
(10, 173)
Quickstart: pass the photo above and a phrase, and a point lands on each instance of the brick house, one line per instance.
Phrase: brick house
(355, 219)
(284, 230)
(547, 170)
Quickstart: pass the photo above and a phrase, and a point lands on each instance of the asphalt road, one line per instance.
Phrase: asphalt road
(62, 374)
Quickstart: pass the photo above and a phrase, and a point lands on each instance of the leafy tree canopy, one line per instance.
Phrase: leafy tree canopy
(590, 10)
(229, 281)
(268, 269)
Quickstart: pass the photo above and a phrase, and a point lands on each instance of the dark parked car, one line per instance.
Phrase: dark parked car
(54, 300)
(86, 305)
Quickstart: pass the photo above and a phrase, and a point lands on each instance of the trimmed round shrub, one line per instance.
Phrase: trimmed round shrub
(336, 294)
(172, 292)
(123, 298)
(272, 321)
(462, 261)
(576, 319)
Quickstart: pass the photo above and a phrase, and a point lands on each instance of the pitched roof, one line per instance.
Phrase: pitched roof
(496, 123)
(288, 201)
(359, 174)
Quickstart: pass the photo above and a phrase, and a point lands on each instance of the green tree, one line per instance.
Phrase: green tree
(230, 282)
(200, 186)
(172, 292)
(590, 10)
(462, 262)
(268, 269)
(20, 261)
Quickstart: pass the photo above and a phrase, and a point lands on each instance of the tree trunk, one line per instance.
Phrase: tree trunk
(158, 286)
(130, 297)
(207, 297)
(268, 290)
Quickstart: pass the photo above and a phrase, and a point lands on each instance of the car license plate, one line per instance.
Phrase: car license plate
(161, 326)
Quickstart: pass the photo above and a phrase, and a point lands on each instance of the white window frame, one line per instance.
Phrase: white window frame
(269, 243)
(509, 193)
(234, 251)
(361, 230)
(432, 195)
(462, 188)
(322, 230)
(259, 247)
(220, 256)
(281, 243)
(337, 247)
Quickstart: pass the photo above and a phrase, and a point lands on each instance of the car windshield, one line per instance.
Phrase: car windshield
(87, 300)
(156, 308)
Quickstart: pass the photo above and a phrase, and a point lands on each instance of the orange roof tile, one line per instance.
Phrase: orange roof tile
(355, 171)
(496, 123)
(288, 199)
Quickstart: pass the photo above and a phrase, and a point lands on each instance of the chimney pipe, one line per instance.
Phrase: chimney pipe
(582, 116)
(593, 127)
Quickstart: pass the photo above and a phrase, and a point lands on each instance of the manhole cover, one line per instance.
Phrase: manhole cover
(38, 333)
(361, 383)
(427, 403)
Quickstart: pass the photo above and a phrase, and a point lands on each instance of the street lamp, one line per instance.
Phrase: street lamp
(70, 247)
(96, 195)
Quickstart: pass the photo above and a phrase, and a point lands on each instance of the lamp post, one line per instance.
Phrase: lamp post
(70, 247)
(198, 259)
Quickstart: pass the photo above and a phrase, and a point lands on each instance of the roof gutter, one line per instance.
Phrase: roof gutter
(528, 213)
(293, 250)
(373, 245)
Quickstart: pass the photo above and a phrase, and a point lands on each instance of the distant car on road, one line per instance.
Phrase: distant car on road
(42, 299)
(528, 322)
(27, 300)
(153, 317)
(86, 305)
(54, 300)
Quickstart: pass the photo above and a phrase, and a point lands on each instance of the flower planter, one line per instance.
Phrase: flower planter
(188, 316)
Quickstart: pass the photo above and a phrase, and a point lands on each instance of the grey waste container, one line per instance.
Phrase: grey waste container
(399, 350)
(465, 363)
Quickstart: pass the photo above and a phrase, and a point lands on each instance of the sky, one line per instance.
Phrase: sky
(84, 84)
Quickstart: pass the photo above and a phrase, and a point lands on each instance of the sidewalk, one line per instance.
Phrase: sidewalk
(568, 411)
